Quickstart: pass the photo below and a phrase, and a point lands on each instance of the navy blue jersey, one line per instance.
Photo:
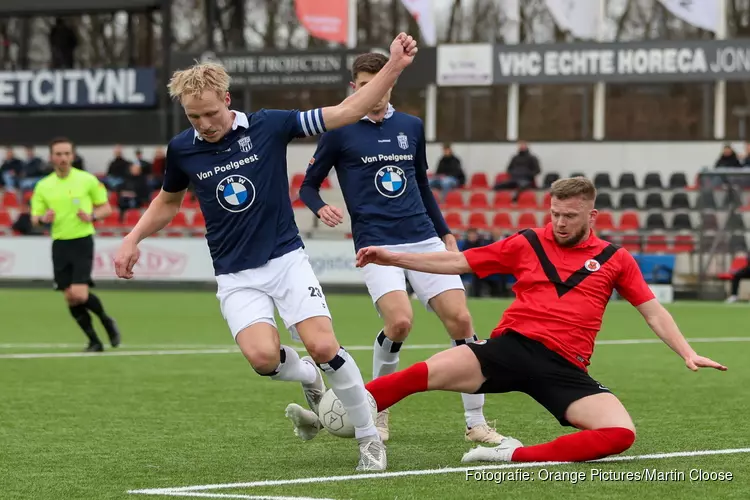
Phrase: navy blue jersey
(242, 186)
(382, 171)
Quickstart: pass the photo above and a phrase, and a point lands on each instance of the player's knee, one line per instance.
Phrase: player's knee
(398, 327)
(323, 349)
(621, 438)
(265, 362)
(459, 325)
(76, 297)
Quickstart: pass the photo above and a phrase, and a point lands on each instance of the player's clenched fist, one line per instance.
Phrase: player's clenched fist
(374, 255)
(126, 258)
(48, 217)
(403, 50)
(331, 216)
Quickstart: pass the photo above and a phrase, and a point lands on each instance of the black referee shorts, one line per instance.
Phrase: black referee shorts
(72, 262)
(515, 363)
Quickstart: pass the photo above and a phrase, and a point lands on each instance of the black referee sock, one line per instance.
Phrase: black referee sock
(83, 318)
(95, 306)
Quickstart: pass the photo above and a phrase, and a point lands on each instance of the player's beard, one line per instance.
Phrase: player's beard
(575, 239)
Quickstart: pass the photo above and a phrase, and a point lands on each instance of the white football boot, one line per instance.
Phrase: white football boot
(484, 434)
(500, 453)
(306, 422)
(381, 424)
(372, 455)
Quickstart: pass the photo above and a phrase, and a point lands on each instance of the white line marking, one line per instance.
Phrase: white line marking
(423, 472)
(229, 495)
(157, 350)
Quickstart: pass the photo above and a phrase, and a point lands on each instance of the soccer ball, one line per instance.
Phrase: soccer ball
(334, 418)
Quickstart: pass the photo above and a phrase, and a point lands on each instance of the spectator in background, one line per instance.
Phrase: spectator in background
(118, 170)
(10, 170)
(62, 43)
(24, 225)
(133, 192)
(737, 277)
(34, 169)
(449, 174)
(728, 158)
(522, 170)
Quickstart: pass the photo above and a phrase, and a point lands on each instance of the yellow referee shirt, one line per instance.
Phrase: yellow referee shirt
(79, 190)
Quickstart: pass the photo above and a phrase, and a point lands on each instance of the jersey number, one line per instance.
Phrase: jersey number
(315, 291)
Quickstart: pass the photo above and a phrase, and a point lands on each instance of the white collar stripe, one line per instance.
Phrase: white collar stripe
(388, 113)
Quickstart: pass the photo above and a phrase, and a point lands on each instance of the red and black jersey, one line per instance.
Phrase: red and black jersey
(561, 292)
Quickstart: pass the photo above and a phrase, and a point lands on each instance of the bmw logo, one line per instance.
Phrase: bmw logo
(235, 193)
(390, 181)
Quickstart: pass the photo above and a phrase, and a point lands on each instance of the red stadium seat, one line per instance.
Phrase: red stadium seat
(297, 181)
(478, 220)
(27, 197)
(179, 220)
(547, 219)
(683, 243)
(326, 184)
(656, 243)
(112, 198)
(454, 200)
(10, 200)
(547, 203)
(132, 217)
(527, 200)
(604, 221)
(5, 220)
(501, 220)
(631, 242)
(503, 199)
(478, 201)
(112, 220)
(527, 220)
(629, 222)
(501, 177)
(479, 181)
(737, 264)
(455, 221)
(198, 220)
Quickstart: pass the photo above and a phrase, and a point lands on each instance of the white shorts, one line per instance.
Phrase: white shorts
(287, 283)
(385, 279)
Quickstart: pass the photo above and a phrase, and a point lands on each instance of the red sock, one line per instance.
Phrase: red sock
(390, 389)
(578, 447)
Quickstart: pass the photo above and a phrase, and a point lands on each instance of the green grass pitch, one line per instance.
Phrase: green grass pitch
(96, 427)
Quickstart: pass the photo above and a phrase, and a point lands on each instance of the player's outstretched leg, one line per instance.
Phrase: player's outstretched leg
(395, 309)
(451, 308)
(346, 381)
(606, 430)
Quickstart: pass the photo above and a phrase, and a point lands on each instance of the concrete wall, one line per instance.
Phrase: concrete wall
(561, 157)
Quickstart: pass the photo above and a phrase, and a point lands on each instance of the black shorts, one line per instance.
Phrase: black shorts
(515, 363)
(72, 262)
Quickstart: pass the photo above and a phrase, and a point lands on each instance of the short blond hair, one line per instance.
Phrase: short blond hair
(564, 189)
(199, 78)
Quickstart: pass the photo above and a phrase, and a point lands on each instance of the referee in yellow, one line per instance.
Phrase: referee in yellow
(71, 200)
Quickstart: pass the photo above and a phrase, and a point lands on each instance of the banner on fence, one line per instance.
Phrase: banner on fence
(78, 88)
(166, 259)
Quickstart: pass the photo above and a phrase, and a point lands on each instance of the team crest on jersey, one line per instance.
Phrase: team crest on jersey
(592, 265)
(235, 193)
(403, 141)
(245, 144)
(390, 181)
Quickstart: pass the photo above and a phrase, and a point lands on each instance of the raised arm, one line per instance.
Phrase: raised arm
(357, 105)
(434, 263)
